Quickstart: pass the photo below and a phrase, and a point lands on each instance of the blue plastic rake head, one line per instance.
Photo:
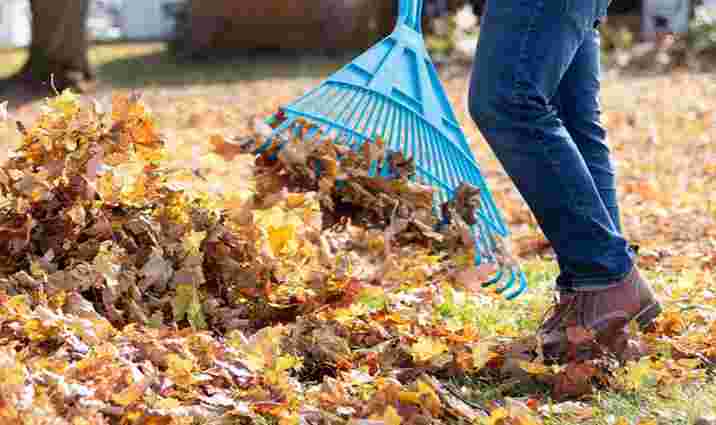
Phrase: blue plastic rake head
(392, 91)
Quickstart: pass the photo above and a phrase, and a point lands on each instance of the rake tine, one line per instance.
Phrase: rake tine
(509, 283)
(357, 121)
(495, 279)
(376, 107)
(276, 133)
(380, 118)
(341, 104)
(523, 284)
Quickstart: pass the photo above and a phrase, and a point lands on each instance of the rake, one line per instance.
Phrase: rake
(393, 91)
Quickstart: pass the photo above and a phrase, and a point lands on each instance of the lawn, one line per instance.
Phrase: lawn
(662, 130)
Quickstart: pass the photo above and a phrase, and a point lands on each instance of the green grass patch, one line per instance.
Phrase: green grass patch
(672, 404)
(134, 65)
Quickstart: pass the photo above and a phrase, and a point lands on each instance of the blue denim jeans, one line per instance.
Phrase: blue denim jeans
(534, 95)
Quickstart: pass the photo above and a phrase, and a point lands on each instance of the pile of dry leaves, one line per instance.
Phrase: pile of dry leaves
(128, 297)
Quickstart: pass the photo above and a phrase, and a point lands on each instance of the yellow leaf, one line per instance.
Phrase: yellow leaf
(637, 374)
(134, 416)
(67, 103)
(18, 305)
(131, 394)
(187, 301)
(391, 416)
(150, 154)
(36, 269)
(481, 355)
(180, 370)
(183, 299)
(12, 373)
(168, 403)
(498, 416)
(279, 237)
(429, 398)
(37, 331)
(295, 200)
(195, 314)
(427, 348)
(534, 368)
(262, 350)
(409, 397)
(287, 362)
(292, 419)
(192, 242)
(58, 300)
(689, 363)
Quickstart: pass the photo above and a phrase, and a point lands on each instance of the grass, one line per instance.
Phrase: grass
(678, 404)
(685, 405)
(144, 65)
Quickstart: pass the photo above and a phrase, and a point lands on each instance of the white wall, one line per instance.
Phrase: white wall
(675, 11)
(141, 19)
(144, 19)
(15, 30)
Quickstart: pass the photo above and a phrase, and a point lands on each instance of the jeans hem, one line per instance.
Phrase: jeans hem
(599, 284)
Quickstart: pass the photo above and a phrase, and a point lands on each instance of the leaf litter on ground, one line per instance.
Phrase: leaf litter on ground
(130, 295)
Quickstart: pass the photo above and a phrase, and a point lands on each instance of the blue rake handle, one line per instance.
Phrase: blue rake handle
(411, 14)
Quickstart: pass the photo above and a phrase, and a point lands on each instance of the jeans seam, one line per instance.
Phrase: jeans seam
(528, 36)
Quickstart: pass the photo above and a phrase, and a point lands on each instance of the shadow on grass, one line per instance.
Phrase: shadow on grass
(161, 68)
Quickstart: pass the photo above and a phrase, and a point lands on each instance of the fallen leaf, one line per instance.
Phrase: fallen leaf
(575, 381)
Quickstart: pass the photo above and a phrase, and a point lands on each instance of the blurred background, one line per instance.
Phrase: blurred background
(133, 42)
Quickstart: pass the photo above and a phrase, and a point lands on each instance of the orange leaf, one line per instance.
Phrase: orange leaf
(222, 147)
(575, 381)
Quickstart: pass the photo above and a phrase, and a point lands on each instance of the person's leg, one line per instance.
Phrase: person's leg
(524, 51)
(578, 106)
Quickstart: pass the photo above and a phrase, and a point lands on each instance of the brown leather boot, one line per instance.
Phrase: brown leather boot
(563, 306)
(605, 312)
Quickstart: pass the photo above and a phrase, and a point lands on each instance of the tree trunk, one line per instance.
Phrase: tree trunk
(58, 51)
